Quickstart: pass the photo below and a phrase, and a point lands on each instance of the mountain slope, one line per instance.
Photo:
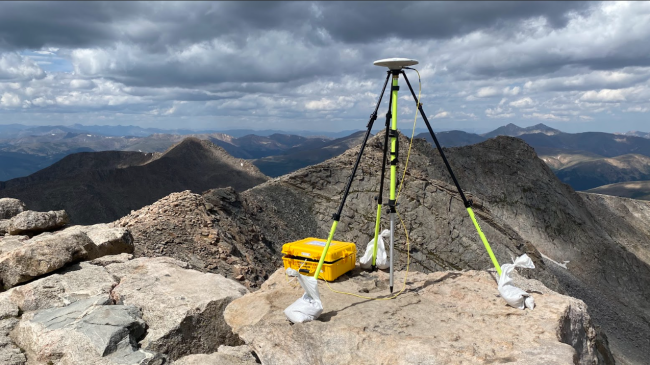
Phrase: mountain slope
(637, 134)
(513, 130)
(14, 164)
(453, 138)
(103, 186)
(32, 149)
(632, 189)
(604, 144)
(308, 153)
(592, 173)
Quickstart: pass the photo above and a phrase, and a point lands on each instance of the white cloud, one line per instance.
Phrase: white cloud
(82, 84)
(587, 66)
(486, 92)
(341, 102)
(442, 114)
(9, 100)
(547, 116)
(637, 109)
(605, 95)
(16, 67)
(523, 103)
(499, 112)
(512, 91)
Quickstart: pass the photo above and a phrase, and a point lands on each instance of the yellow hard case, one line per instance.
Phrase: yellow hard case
(304, 255)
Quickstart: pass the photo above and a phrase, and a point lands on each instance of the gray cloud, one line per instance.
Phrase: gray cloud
(302, 63)
(371, 21)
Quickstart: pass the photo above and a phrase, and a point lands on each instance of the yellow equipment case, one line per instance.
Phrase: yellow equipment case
(304, 255)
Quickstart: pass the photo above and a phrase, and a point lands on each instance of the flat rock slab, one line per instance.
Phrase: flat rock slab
(87, 331)
(26, 260)
(238, 355)
(10, 208)
(35, 222)
(183, 308)
(441, 318)
(42, 255)
(76, 282)
(108, 239)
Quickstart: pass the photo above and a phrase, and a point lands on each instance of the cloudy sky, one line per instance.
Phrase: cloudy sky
(576, 66)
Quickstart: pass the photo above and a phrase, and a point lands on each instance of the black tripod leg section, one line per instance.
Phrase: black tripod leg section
(435, 141)
(337, 216)
(373, 117)
(381, 185)
(468, 204)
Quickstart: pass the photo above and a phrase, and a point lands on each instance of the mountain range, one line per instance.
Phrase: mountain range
(21, 130)
(103, 186)
(583, 160)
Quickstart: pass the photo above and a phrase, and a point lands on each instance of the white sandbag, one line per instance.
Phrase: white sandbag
(382, 258)
(514, 296)
(308, 307)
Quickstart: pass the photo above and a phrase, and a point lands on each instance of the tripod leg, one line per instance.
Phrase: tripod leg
(381, 186)
(337, 216)
(394, 152)
(468, 204)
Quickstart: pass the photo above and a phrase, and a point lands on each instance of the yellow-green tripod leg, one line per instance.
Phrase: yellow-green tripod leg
(337, 215)
(485, 241)
(374, 252)
(327, 247)
(466, 202)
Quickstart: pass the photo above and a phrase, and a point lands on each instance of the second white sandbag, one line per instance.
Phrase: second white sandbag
(382, 258)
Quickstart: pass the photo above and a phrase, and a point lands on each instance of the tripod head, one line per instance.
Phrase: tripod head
(395, 64)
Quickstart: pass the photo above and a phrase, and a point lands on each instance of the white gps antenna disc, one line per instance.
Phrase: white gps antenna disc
(395, 63)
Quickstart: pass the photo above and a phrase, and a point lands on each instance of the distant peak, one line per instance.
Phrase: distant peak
(542, 126)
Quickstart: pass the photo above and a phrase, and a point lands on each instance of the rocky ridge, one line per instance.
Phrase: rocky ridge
(211, 232)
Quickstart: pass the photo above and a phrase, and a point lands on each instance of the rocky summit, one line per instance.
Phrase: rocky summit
(580, 245)
(447, 317)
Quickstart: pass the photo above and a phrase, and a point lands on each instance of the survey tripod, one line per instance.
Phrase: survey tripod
(396, 67)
